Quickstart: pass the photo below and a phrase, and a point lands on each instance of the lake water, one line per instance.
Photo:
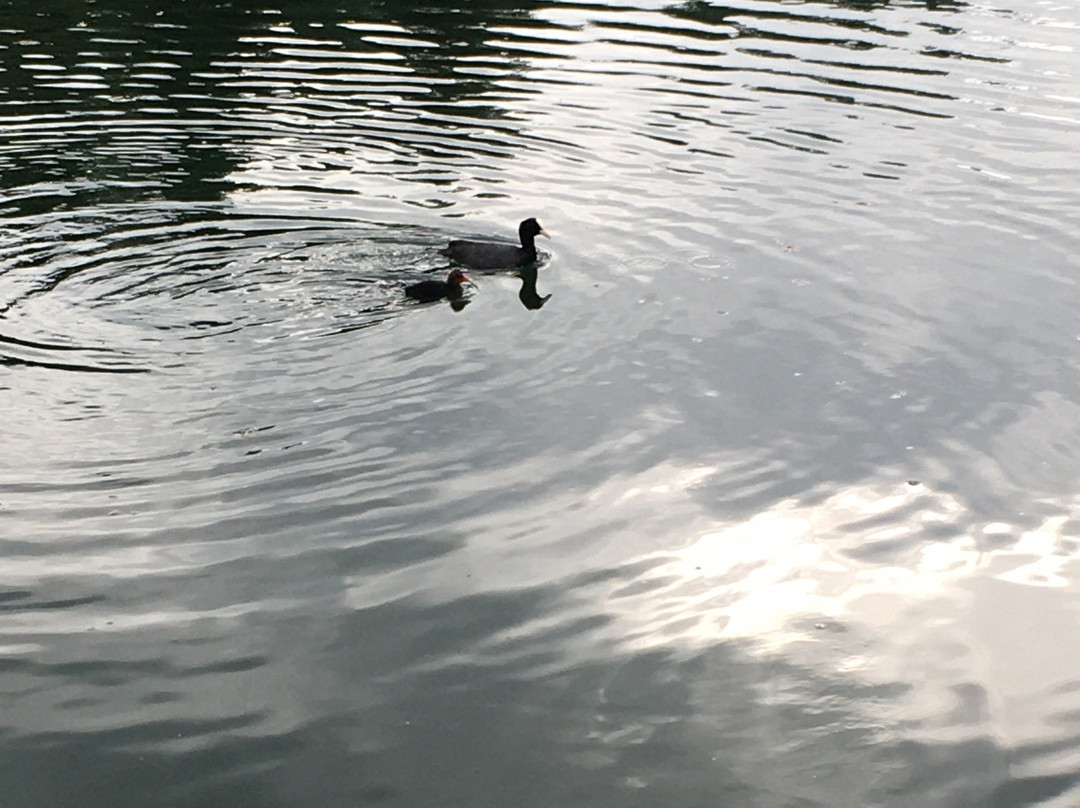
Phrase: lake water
(774, 502)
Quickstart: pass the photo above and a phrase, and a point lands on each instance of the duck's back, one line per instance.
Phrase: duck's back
(487, 254)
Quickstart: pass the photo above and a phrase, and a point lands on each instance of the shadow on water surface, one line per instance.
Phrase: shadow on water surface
(165, 103)
(171, 103)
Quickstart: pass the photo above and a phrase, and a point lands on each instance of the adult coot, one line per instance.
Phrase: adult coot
(493, 255)
(430, 291)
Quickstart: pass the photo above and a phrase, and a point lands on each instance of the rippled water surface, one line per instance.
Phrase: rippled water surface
(775, 501)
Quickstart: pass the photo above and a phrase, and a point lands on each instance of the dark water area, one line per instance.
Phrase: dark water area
(761, 489)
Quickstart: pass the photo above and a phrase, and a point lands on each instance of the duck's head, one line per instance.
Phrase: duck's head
(457, 278)
(530, 229)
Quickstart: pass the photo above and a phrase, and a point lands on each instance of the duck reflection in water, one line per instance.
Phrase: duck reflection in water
(529, 297)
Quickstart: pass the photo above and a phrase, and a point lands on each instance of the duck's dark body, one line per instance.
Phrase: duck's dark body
(488, 255)
(493, 255)
(430, 291)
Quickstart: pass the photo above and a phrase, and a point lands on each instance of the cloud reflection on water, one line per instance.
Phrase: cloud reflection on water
(774, 576)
